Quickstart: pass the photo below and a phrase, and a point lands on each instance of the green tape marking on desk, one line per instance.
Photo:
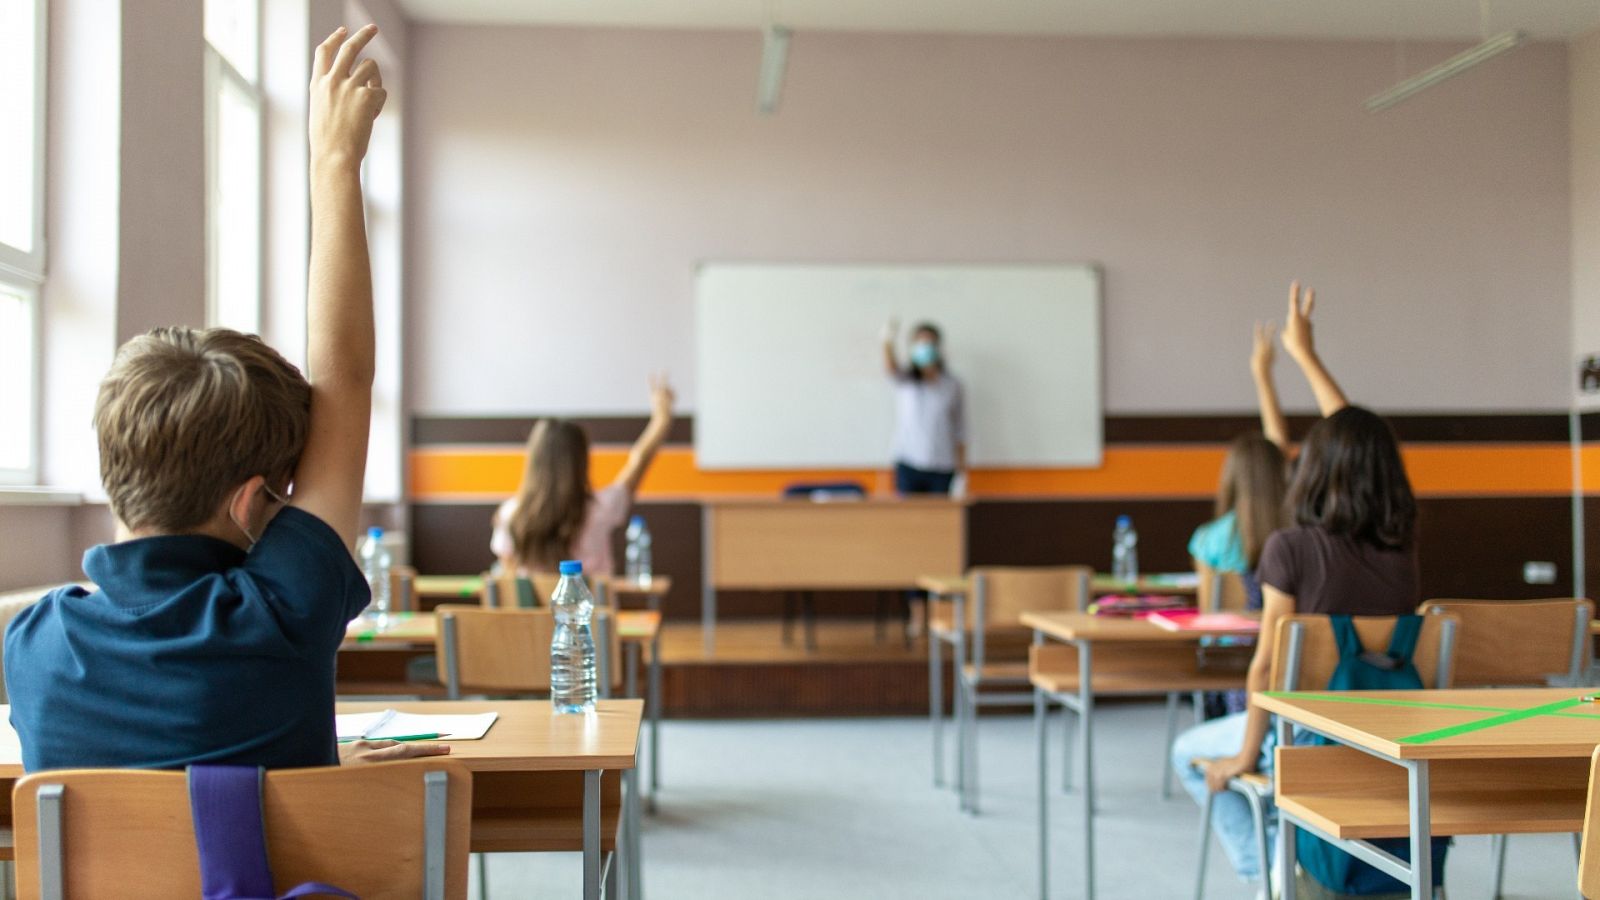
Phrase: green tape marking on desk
(1428, 737)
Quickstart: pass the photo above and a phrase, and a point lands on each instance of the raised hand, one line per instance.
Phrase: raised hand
(662, 396)
(1297, 339)
(346, 96)
(891, 330)
(1261, 354)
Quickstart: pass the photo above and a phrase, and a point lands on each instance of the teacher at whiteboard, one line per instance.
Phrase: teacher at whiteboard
(930, 429)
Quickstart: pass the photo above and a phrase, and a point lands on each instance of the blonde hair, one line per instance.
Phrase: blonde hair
(1254, 483)
(554, 497)
(185, 416)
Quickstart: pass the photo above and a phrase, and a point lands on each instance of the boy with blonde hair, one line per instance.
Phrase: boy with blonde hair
(236, 485)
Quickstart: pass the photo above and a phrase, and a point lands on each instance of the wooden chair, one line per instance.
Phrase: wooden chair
(1220, 591)
(128, 833)
(509, 591)
(507, 651)
(1305, 654)
(1000, 596)
(1589, 842)
(403, 589)
(1518, 643)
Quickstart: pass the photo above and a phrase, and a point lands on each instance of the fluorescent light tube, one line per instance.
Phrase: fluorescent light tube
(774, 56)
(1450, 68)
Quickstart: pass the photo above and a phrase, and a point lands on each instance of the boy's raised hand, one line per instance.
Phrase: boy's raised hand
(346, 96)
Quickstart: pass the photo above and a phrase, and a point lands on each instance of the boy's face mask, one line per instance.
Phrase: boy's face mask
(272, 494)
(924, 353)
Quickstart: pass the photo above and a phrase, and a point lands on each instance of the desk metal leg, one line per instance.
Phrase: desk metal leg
(1421, 831)
(1041, 733)
(936, 706)
(957, 664)
(635, 838)
(591, 835)
(1086, 751)
(655, 718)
(1289, 865)
(630, 678)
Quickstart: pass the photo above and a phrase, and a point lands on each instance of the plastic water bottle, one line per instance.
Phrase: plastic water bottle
(572, 679)
(1125, 551)
(638, 553)
(375, 565)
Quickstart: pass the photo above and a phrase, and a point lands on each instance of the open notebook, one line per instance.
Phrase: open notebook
(390, 724)
(1190, 620)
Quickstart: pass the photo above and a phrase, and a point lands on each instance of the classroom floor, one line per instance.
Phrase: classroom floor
(844, 808)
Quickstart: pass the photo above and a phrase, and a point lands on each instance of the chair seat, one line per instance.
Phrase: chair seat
(1256, 780)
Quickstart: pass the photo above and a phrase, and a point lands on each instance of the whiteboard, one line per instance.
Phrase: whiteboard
(789, 361)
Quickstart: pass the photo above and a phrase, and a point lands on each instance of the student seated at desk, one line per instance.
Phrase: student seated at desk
(1350, 551)
(555, 515)
(236, 487)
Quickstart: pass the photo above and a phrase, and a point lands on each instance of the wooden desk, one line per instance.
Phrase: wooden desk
(413, 634)
(537, 779)
(1142, 659)
(1427, 763)
(774, 544)
(432, 590)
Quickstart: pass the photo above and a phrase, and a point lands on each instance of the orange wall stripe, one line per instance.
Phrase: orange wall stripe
(1591, 468)
(464, 473)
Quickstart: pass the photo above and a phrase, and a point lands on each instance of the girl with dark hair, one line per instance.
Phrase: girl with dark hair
(930, 432)
(1350, 550)
(556, 515)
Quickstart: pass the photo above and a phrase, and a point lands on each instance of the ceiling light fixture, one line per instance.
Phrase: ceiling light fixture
(1450, 68)
(774, 57)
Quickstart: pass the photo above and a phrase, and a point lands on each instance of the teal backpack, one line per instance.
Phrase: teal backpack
(1366, 670)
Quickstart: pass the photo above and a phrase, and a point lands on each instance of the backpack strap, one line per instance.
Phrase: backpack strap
(1403, 641)
(1345, 635)
(225, 803)
(230, 834)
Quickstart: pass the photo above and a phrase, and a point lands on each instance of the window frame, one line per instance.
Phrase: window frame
(218, 69)
(23, 272)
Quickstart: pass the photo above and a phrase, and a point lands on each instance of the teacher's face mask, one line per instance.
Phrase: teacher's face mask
(924, 353)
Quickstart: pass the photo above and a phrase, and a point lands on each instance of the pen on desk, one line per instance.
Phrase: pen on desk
(432, 736)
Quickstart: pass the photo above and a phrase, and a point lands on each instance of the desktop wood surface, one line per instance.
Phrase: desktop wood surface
(1077, 626)
(529, 737)
(1159, 585)
(418, 630)
(1379, 728)
(772, 544)
(450, 588)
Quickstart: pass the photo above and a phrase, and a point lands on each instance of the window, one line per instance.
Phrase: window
(233, 163)
(22, 67)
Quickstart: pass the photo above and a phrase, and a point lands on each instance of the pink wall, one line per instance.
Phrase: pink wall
(565, 182)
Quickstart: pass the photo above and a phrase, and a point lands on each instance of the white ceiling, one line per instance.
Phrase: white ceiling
(1329, 19)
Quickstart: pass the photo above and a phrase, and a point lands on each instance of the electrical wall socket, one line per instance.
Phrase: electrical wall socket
(1539, 572)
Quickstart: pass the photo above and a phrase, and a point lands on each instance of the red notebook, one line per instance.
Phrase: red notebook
(1231, 623)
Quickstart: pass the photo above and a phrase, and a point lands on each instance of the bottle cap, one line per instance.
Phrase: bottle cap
(571, 567)
(636, 520)
(1124, 520)
(375, 533)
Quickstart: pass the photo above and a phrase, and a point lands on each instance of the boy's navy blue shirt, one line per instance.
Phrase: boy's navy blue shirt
(191, 651)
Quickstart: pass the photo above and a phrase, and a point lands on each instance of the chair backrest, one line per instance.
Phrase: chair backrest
(403, 589)
(1001, 594)
(1589, 847)
(1512, 643)
(1305, 651)
(507, 651)
(1220, 591)
(506, 591)
(128, 833)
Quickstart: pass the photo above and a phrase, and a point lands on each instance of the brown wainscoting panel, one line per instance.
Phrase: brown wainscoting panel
(1468, 547)
(1472, 548)
(1589, 425)
(1065, 532)
(1591, 543)
(428, 430)
(1119, 429)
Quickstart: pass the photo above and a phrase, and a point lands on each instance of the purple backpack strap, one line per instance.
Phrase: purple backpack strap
(225, 803)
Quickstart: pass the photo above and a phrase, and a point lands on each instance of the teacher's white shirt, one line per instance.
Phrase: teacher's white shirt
(930, 420)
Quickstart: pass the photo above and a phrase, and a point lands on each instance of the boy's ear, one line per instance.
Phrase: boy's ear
(246, 497)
